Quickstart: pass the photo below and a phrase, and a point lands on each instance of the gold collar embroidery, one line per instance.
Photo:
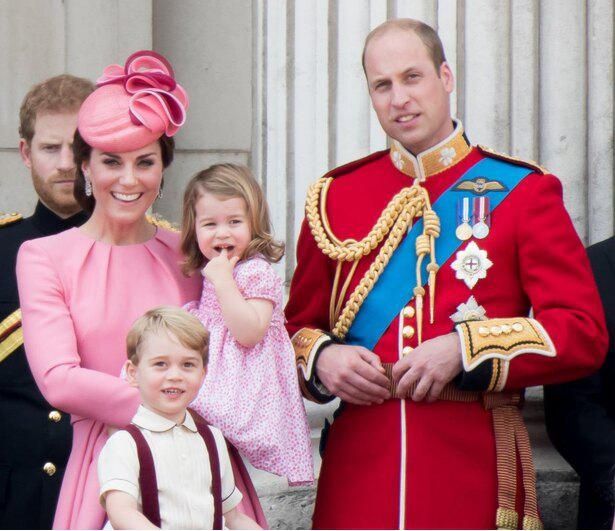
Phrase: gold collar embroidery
(435, 160)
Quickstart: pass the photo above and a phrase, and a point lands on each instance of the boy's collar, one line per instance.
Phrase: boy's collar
(148, 420)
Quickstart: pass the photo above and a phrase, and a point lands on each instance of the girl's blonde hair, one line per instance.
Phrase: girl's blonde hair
(228, 180)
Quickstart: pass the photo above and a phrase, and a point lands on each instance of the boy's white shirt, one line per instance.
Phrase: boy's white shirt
(182, 470)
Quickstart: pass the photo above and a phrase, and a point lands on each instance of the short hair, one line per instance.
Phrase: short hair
(228, 180)
(188, 330)
(64, 93)
(82, 152)
(426, 33)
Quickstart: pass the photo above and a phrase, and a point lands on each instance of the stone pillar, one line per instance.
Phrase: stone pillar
(210, 46)
(43, 38)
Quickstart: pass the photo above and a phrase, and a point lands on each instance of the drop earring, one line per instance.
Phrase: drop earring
(88, 186)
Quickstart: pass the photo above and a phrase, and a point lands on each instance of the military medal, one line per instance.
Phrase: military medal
(480, 229)
(464, 231)
(471, 264)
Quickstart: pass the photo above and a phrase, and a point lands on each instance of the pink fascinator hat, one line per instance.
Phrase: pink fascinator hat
(133, 105)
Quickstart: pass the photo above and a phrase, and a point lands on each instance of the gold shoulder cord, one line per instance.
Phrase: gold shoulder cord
(393, 223)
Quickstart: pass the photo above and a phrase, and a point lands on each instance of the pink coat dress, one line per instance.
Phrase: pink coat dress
(252, 394)
(79, 297)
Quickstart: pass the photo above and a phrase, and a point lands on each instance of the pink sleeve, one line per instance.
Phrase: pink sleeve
(257, 280)
(191, 306)
(51, 348)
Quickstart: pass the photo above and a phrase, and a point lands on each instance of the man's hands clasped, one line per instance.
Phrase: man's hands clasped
(356, 375)
(430, 366)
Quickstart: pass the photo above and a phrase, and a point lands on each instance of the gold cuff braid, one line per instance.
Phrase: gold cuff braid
(502, 339)
(306, 343)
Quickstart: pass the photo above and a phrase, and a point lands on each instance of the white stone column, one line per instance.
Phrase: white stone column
(32, 42)
(487, 72)
(600, 119)
(210, 47)
(309, 137)
(563, 103)
(524, 80)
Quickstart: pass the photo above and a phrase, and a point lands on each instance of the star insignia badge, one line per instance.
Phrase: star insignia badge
(469, 311)
(471, 264)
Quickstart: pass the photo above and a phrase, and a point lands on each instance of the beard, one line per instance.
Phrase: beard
(59, 198)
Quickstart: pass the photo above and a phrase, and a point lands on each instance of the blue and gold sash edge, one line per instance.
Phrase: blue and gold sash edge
(389, 295)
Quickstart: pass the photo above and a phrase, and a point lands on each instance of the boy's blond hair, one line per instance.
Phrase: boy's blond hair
(188, 330)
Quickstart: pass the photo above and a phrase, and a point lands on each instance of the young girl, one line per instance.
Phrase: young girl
(251, 391)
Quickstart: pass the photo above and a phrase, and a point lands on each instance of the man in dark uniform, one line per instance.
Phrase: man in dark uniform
(580, 415)
(36, 438)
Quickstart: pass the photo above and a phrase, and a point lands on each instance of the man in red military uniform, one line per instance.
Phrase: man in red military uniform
(417, 269)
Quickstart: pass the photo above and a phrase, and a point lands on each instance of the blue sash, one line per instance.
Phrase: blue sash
(395, 286)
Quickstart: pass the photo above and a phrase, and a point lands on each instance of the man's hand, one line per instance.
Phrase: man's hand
(431, 366)
(220, 268)
(355, 374)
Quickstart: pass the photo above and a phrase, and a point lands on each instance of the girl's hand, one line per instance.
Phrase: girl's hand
(220, 269)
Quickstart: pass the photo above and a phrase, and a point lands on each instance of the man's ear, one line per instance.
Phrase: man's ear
(131, 373)
(25, 152)
(447, 76)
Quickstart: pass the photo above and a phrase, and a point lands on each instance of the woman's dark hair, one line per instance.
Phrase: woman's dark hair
(82, 151)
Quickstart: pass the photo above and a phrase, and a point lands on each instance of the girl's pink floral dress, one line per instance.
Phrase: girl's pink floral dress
(252, 394)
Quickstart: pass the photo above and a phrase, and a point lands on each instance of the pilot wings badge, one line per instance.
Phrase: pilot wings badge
(480, 186)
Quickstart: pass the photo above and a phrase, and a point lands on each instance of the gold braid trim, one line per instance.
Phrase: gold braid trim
(353, 250)
(393, 224)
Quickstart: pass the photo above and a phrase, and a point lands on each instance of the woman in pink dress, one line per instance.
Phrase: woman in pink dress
(82, 289)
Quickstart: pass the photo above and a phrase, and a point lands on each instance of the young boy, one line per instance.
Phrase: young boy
(167, 359)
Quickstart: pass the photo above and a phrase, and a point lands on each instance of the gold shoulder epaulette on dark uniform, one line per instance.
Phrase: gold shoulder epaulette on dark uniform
(11, 334)
(8, 219)
(159, 221)
(526, 163)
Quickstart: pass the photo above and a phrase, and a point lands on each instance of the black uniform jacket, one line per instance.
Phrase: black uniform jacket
(580, 415)
(35, 439)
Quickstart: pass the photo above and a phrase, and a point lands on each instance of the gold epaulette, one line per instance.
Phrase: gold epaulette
(8, 219)
(11, 334)
(510, 158)
(159, 221)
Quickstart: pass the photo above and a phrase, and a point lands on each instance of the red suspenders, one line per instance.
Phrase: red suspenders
(147, 474)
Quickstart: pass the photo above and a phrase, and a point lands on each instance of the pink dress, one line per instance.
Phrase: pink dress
(252, 394)
(79, 297)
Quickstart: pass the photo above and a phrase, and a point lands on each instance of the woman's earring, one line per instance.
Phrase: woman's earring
(88, 186)
(159, 196)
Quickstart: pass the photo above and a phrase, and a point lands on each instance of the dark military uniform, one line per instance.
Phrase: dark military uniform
(36, 438)
(580, 415)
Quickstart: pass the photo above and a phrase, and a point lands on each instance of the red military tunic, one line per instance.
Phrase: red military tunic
(404, 464)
